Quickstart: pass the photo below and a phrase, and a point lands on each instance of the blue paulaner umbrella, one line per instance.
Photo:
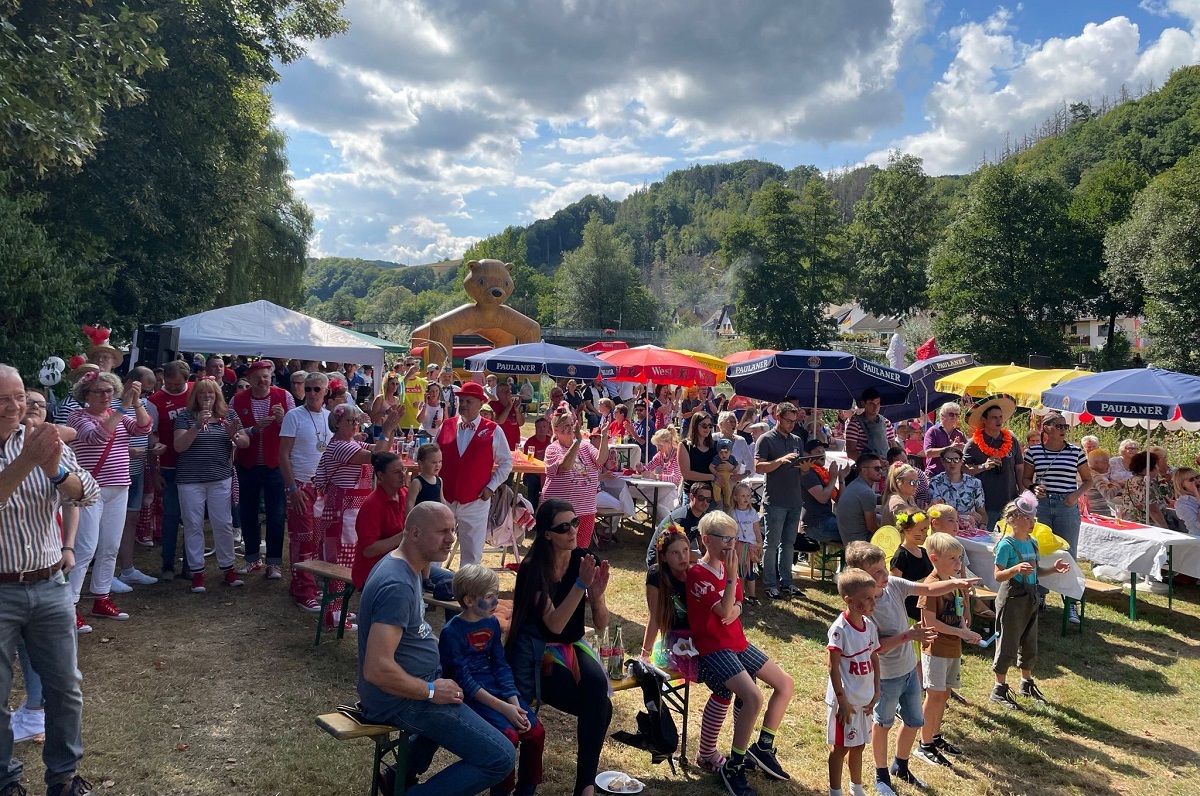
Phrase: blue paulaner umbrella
(1137, 394)
(534, 359)
(1148, 395)
(924, 398)
(825, 379)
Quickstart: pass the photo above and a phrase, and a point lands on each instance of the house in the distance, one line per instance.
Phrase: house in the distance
(1093, 332)
(720, 322)
(855, 323)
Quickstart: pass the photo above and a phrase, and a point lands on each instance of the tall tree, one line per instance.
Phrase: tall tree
(1103, 199)
(1160, 244)
(1004, 280)
(65, 63)
(788, 254)
(895, 226)
(598, 287)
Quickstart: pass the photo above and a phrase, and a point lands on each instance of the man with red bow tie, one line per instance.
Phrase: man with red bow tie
(475, 461)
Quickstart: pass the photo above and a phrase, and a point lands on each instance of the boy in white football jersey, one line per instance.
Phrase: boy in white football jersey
(853, 679)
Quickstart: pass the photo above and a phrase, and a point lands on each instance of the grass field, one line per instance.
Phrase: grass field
(216, 694)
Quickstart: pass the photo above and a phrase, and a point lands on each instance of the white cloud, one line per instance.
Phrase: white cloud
(574, 191)
(999, 86)
(613, 165)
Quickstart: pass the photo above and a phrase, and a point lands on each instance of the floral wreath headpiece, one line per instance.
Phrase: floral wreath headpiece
(913, 519)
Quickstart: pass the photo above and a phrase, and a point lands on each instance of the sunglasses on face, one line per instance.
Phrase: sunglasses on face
(911, 482)
(705, 425)
(954, 460)
(1060, 426)
(565, 527)
(312, 388)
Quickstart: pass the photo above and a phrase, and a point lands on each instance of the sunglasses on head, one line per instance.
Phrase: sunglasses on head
(565, 527)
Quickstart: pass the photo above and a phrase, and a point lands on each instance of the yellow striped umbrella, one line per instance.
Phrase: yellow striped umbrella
(710, 361)
(1026, 388)
(974, 381)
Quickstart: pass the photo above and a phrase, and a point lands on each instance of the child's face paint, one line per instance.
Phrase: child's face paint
(487, 604)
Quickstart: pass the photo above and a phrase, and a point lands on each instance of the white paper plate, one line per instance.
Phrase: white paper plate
(687, 651)
(604, 778)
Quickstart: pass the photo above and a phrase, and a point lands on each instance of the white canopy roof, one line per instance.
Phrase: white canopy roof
(261, 328)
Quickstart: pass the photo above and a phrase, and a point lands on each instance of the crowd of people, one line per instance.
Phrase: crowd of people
(387, 482)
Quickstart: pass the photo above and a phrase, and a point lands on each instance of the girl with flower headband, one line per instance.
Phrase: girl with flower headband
(909, 561)
(343, 480)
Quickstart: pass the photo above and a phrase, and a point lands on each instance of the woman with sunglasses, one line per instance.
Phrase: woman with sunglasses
(698, 451)
(102, 447)
(900, 494)
(955, 488)
(551, 662)
(343, 480)
(573, 471)
(1187, 499)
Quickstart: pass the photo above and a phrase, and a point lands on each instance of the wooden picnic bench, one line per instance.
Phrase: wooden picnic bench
(388, 740)
(328, 573)
(1089, 585)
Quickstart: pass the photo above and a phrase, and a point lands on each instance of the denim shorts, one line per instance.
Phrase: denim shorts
(137, 484)
(903, 693)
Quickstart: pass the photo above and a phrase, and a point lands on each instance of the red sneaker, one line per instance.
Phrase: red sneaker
(251, 568)
(81, 627)
(103, 606)
(232, 579)
(198, 583)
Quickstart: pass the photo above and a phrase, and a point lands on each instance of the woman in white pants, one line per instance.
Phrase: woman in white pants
(205, 435)
(102, 447)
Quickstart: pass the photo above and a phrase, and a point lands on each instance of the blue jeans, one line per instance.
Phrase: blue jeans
(1062, 519)
(171, 520)
(33, 683)
(486, 756)
(901, 694)
(266, 482)
(824, 531)
(43, 615)
(782, 526)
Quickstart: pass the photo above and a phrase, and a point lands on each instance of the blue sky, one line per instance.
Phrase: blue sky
(433, 123)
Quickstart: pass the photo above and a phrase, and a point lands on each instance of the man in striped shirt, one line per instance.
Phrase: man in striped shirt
(37, 474)
(1058, 474)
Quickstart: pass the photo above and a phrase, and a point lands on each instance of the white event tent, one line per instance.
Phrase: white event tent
(261, 328)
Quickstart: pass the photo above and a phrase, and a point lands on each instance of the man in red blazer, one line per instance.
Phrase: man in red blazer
(475, 461)
(261, 410)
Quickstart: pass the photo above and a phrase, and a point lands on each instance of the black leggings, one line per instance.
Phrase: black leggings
(587, 698)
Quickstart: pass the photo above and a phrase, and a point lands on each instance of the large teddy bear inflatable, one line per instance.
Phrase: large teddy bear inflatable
(489, 284)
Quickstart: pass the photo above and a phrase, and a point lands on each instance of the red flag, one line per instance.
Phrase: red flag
(928, 349)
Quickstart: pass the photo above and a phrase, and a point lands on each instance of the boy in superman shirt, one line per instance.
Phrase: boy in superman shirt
(473, 656)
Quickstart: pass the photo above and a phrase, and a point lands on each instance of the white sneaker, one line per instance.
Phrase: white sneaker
(136, 577)
(119, 587)
(28, 725)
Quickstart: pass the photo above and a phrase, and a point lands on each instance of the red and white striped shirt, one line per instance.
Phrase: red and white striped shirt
(577, 486)
(336, 469)
(670, 467)
(92, 441)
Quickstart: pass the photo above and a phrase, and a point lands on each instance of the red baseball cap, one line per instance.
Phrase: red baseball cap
(262, 364)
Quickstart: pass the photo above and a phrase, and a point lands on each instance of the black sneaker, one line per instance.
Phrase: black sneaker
(906, 776)
(774, 594)
(78, 786)
(931, 755)
(793, 591)
(14, 789)
(959, 698)
(734, 778)
(1002, 696)
(766, 760)
(946, 746)
(1030, 690)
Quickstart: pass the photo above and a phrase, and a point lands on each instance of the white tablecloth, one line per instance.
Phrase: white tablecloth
(1139, 548)
(981, 558)
(657, 494)
(629, 453)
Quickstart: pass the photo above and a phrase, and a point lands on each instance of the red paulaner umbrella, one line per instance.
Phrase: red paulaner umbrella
(743, 356)
(650, 363)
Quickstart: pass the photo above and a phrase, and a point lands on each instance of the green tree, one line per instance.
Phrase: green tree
(65, 63)
(788, 255)
(1005, 279)
(598, 287)
(895, 226)
(40, 297)
(1160, 243)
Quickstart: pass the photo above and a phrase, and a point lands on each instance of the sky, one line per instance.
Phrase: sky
(433, 123)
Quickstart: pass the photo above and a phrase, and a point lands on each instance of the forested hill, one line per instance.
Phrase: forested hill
(893, 238)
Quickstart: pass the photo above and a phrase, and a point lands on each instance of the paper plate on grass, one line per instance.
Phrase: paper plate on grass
(617, 782)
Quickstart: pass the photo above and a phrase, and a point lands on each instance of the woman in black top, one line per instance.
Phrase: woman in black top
(550, 661)
(697, 452)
